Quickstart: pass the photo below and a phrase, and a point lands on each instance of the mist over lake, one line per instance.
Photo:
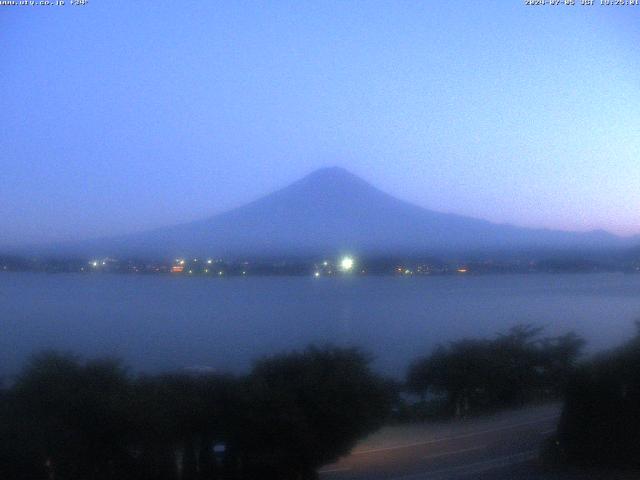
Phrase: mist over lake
(158, 322)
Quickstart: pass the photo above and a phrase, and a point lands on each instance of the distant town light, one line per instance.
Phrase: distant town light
(317, 274)
(346, 263)
(94, 263)
(209, 261)
(325, 263)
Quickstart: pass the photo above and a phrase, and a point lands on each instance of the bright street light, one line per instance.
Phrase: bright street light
(346, 263)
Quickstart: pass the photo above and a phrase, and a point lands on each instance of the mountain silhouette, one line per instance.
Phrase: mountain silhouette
(331, 210)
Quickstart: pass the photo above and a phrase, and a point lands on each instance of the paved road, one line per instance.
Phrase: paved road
(491, 447)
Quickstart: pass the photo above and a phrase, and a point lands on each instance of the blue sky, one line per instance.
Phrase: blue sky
(120, 116)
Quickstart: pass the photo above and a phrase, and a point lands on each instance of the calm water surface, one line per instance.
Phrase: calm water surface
(163, 322)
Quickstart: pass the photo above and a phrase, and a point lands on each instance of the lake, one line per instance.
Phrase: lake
(163, 322)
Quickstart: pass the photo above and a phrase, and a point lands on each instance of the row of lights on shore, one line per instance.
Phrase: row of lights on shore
(181, 261)
(346, 265)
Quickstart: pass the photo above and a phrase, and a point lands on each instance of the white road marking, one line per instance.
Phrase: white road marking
(454, 452)
(456, 437)
(335, 470)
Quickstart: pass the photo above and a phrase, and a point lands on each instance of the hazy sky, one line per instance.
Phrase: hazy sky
(124, 115)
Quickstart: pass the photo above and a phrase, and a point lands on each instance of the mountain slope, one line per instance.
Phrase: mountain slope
(333, 210)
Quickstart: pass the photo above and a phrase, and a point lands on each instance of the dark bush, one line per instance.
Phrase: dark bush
(73, 420)
(308, 408)
(600, 422)
(511, 369)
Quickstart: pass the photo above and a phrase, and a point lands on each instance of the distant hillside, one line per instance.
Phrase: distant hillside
(332, 210)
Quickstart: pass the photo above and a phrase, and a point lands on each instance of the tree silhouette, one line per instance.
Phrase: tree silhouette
(76, 415)
(511, 369)
(308, 408)
(600, 422)
(74, 420)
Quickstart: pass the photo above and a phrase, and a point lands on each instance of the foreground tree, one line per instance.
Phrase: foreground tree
(74, 416)
(600, 422)
(307, 409)
(20, 457)
(177, 420)
(70, 420)
(511, 369)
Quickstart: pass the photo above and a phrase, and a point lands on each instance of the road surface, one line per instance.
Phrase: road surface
(500, 446)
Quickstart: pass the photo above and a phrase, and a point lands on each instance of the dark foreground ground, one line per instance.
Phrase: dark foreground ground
(503, 446)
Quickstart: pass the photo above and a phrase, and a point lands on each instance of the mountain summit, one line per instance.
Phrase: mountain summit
(333, 210)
